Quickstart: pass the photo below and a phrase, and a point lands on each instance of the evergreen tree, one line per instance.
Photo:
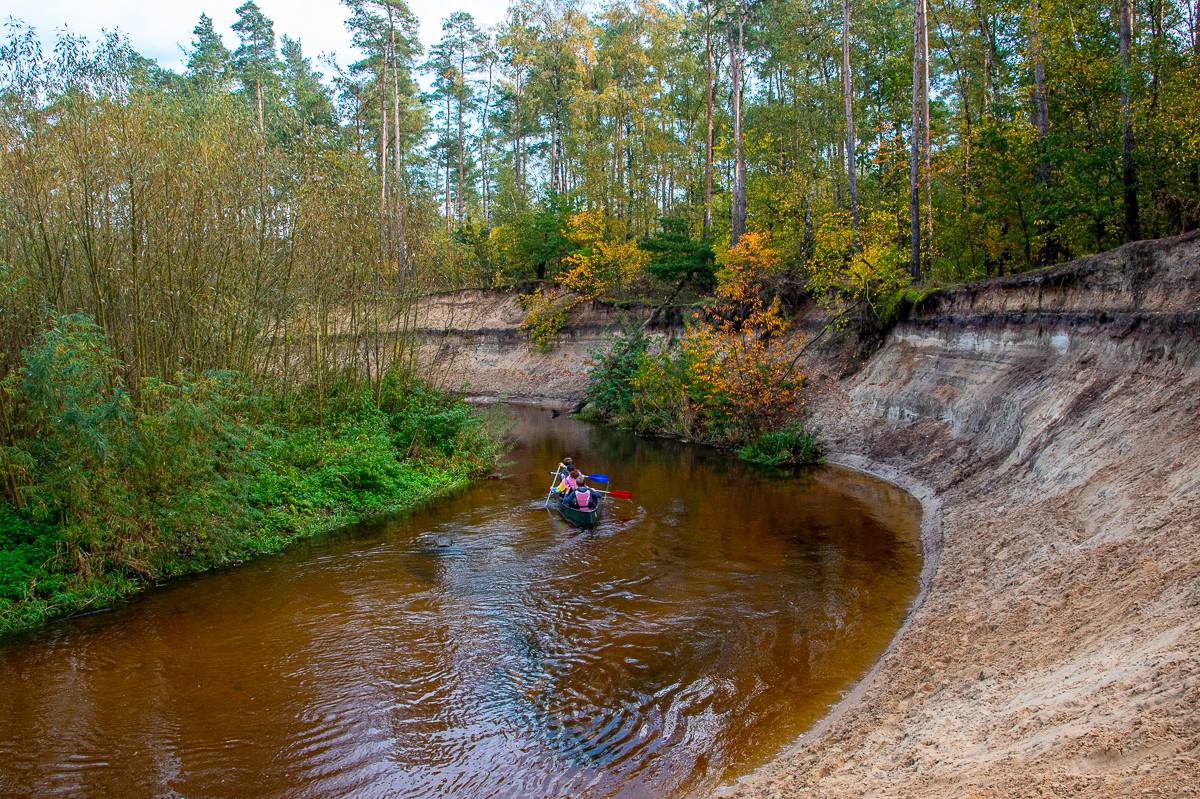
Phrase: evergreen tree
(452, 63)
(306, 94)
(677, 257)
(208, 61)
(255, 61)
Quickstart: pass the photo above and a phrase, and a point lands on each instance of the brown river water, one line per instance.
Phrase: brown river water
(482, 647)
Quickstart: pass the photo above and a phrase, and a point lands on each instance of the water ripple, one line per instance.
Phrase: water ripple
(480, 648)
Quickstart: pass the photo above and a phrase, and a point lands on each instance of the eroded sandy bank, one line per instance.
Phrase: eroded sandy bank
(1054, 418)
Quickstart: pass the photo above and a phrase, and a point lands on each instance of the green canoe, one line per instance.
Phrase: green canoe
(582, 518)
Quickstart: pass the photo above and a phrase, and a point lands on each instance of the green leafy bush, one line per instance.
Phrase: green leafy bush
(25, 550)
(792, 445)
(610, 377)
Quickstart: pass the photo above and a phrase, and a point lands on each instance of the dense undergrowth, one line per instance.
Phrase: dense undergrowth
(733, 380)
(638, 384)
(106, 495)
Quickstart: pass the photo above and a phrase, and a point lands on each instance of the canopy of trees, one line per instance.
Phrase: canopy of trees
(980, 136)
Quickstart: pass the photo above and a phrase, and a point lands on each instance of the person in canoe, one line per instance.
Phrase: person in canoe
(567, 483)
(582, 497)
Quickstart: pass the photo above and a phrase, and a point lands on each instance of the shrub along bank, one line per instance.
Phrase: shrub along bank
(105, 492)
(734, 380)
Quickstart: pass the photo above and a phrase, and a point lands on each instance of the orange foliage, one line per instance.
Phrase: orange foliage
(735, 375)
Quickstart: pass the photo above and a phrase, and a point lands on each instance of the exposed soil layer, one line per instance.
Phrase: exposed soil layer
(1054, 418)
(476, 337)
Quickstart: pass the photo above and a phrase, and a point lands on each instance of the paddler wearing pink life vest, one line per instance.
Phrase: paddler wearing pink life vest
(566, 468)
(583, 497)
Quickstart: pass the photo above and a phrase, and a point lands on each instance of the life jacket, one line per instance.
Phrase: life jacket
(584, 498)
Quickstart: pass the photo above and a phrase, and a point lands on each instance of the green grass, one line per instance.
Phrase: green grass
(791, 446)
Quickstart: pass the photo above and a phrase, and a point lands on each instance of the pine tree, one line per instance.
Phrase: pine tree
(208, 61)
(255, 61)
(305, 92)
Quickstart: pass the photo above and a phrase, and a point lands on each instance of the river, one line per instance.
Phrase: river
(482, 647)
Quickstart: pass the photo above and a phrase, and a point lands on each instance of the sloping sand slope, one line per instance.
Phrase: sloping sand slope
(1051, 423)
(1056, 417)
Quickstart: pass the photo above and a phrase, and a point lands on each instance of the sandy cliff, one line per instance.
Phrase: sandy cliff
(475, 337)
(1051, 423)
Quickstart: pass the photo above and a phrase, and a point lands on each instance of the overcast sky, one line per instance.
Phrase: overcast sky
(157, 29)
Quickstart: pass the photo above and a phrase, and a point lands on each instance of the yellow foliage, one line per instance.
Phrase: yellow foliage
(545, 315)
(605, 262)
(734, 375)
(744, 266)
(873, 277)
(607, 259)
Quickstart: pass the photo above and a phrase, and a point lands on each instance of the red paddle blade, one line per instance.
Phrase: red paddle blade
(621, 494)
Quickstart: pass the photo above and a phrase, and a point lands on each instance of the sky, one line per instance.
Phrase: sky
(158, 29)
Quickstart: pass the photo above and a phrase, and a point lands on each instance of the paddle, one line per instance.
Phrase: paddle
(617, 494)
(595, 478)
(550, 493)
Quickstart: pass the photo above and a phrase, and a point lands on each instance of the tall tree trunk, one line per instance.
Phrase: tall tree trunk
(986, 40)
(1196, 31)
(914, 186)
(1133, 228)
(554, 154)
(849, 95)
(708, 123)
(926, 144)
(738, 206)
(562, 147)
(258, 94)
(458, 196)
(449, 207)
(397, 210)
(383, 148)
(484, 145)
(618, 163)
(1048, 252)
(808, 207)
(520, 137)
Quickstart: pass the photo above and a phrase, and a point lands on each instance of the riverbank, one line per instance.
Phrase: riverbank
(210, 482)
(1054, 417)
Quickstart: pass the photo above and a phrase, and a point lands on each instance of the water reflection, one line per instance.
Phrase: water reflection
(484, 647)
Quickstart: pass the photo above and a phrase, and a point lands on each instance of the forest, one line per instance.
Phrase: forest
(209, 277)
